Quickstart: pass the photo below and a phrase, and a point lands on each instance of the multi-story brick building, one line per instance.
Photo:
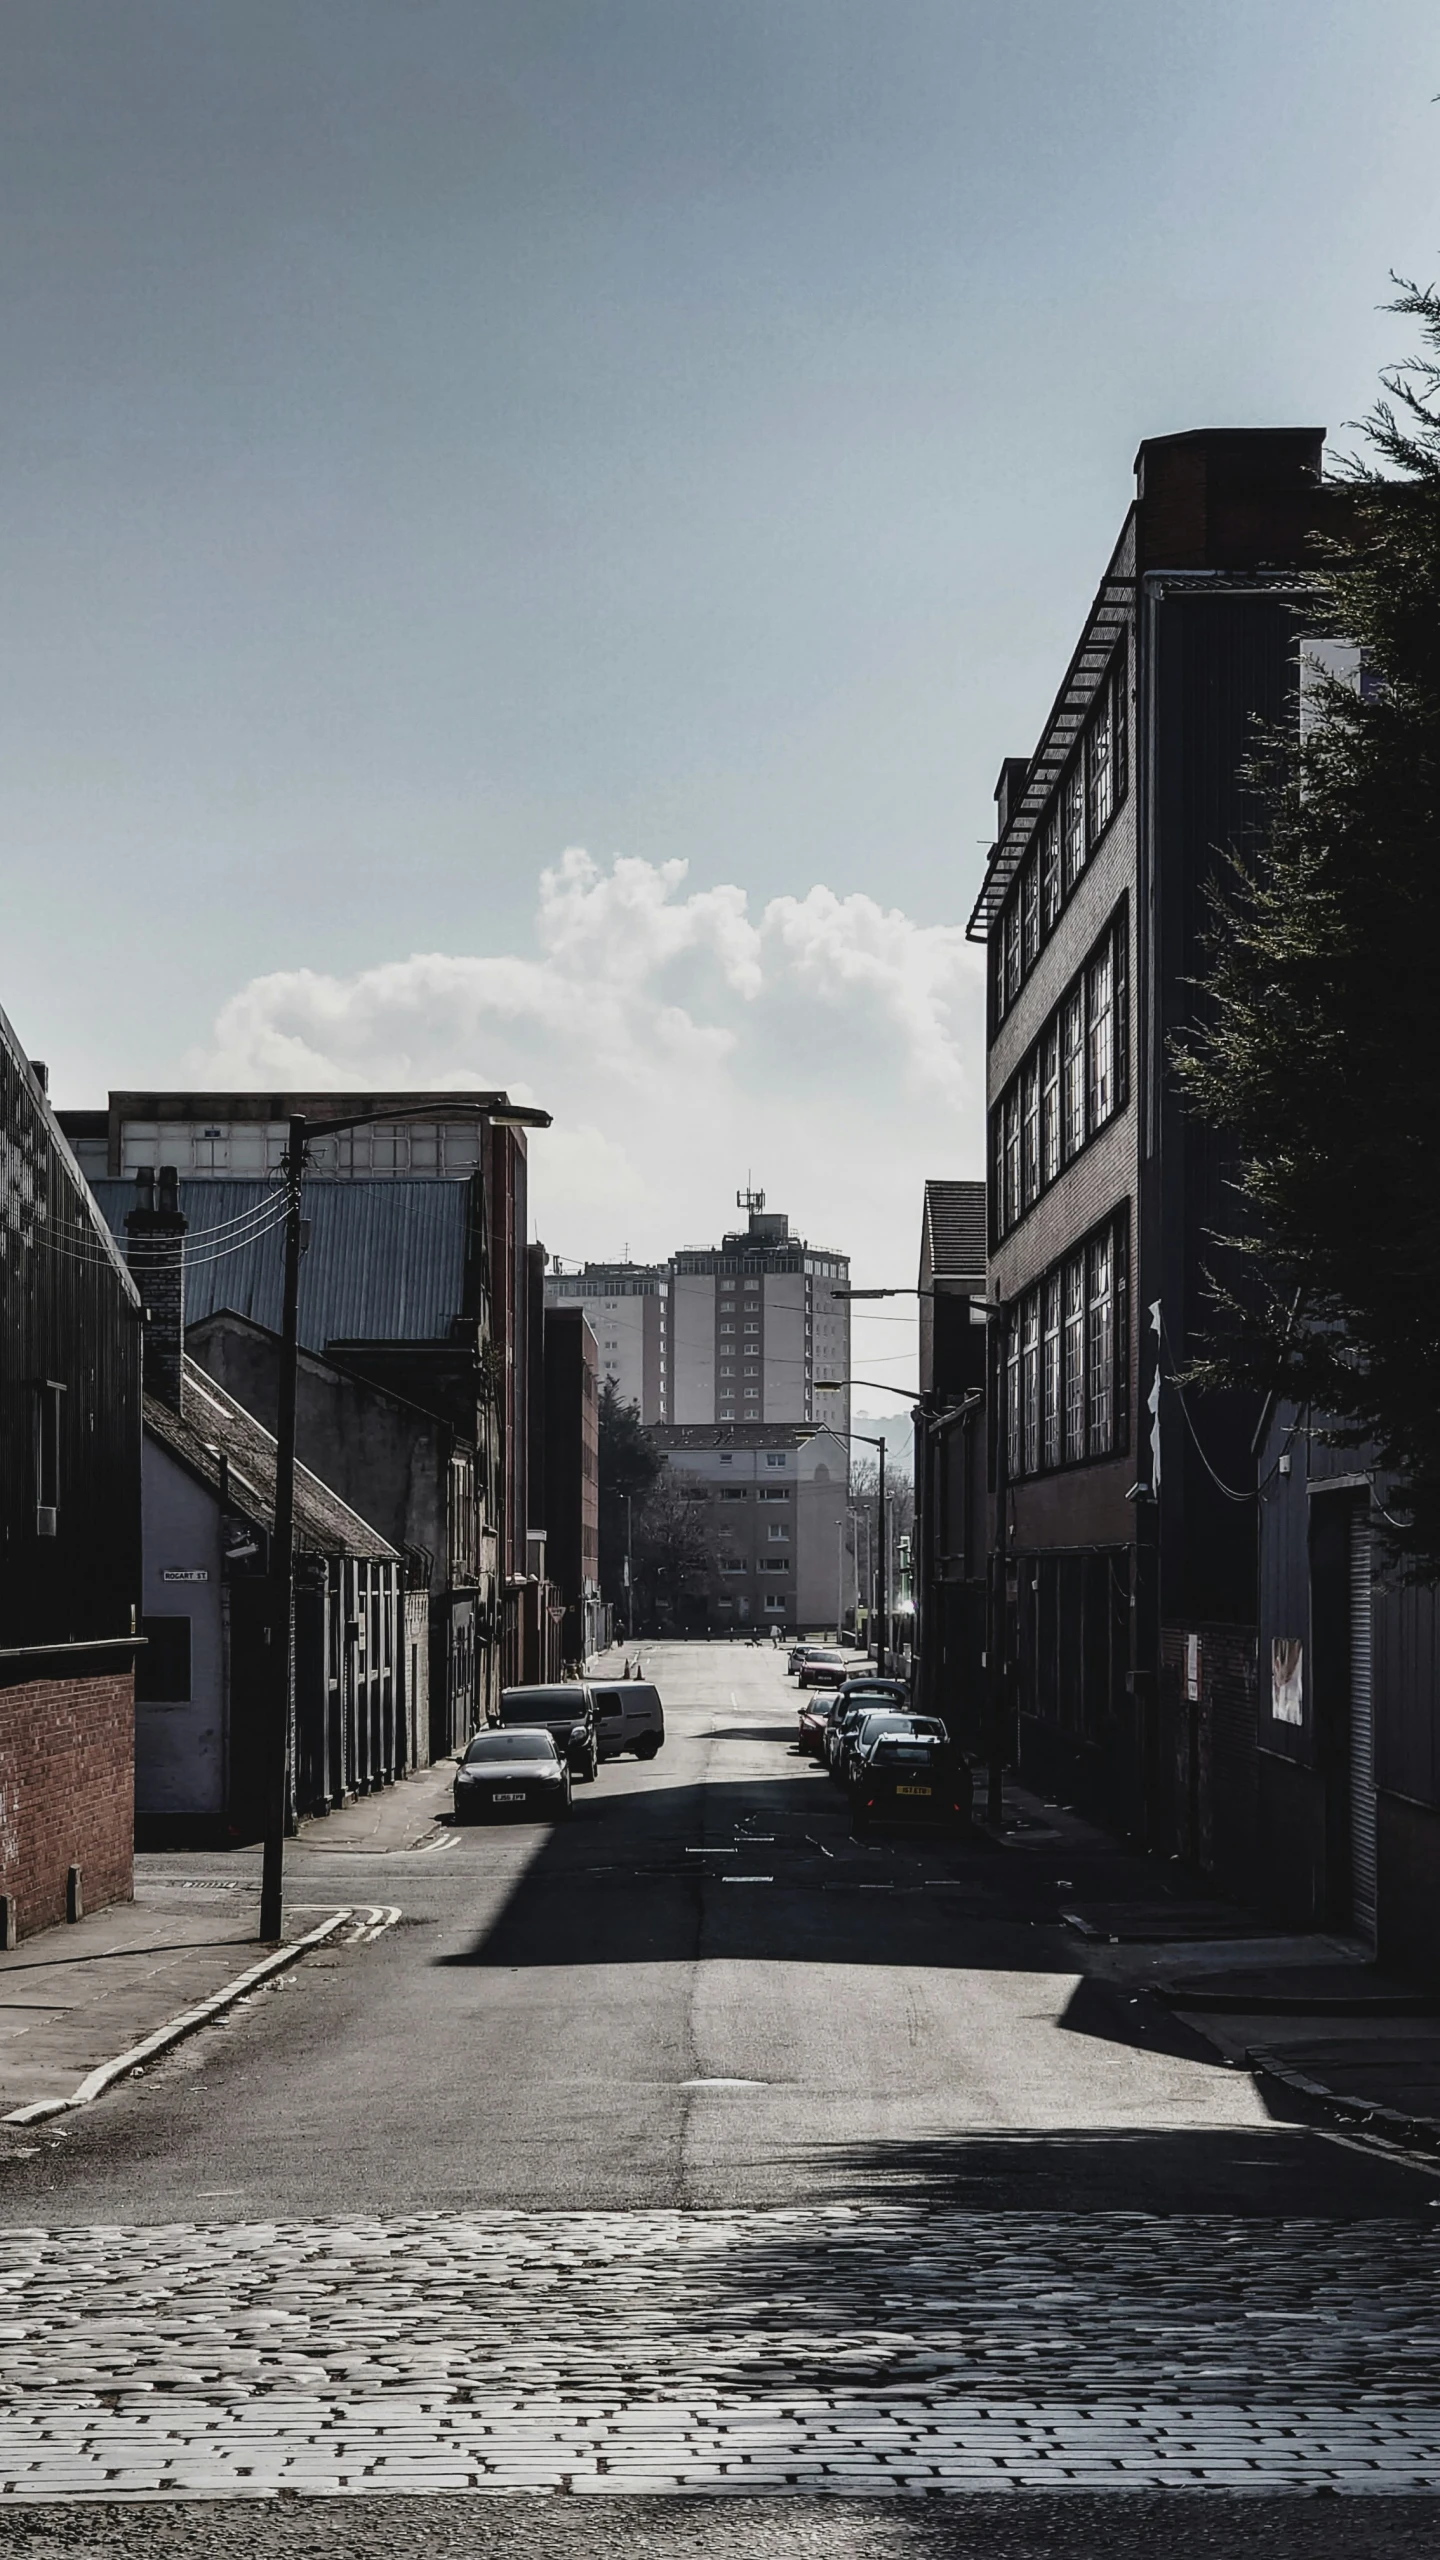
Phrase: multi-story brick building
(1125, 1616)
(429, 1296)
(70, 1494)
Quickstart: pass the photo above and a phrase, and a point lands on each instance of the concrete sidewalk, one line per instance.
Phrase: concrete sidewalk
(409, 1815)
(1308, 2009)
(72, 1999)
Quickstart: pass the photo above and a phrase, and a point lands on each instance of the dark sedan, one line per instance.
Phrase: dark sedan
(857, 1733)
(912, 1781)
(512, 1771)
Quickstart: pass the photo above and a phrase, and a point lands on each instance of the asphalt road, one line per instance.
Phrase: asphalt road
(701, 1998)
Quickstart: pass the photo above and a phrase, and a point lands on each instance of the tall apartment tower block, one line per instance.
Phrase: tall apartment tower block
(741, 1331)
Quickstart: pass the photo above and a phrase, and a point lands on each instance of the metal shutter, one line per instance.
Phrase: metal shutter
(1362, 1729)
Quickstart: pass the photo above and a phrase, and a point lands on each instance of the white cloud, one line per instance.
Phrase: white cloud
(833, 1051)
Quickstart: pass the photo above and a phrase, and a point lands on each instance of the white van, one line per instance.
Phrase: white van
(628, 1717)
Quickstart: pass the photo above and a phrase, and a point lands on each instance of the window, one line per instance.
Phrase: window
(1029, 914)
(774, 1457)
(775, 1600)
(773, 1564)
(773, 1493)
(777, 1531)
(48, 1407)
(1030, 1134)
(1068, 1357)
(733, 1564)
(1050, 1105)
(162, 1666)
(1050, 1413)
(1030, 1383)
(1012, 951)
(1012, 1157)
(1101, 1350)
(1069, 1084)
(1050, 873)
(1073, 1285)
(732, 1493)
(1072, 1075)
(1012, 1402)
(1072, 826)
(1100, 766)
(1100, 1038)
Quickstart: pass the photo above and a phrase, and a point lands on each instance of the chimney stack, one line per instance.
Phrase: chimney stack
(154, 1245)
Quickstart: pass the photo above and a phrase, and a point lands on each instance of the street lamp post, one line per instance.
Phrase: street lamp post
(282, 1541)
(838, 1386)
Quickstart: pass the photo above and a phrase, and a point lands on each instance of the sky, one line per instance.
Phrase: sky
(527, 531)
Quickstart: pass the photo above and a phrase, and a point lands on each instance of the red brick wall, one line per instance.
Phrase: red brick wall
(67, 1792)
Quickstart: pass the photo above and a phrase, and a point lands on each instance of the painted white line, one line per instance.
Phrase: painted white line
(747, 1879)
(386, 1916)
(96, 2082)
(447, 1840)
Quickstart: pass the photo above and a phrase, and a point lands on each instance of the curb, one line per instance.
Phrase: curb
(1420, 2134)
(96, 2082)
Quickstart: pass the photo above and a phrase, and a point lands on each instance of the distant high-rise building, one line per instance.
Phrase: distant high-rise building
(627, 1305)
(734, 1332)
(754, 1322)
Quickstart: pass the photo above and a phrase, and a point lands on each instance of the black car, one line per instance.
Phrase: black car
(512, 1770)
(912, 1779)
(857, 1733)
(567, 1711)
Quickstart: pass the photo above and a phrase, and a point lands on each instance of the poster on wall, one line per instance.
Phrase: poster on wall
(1286, 1680)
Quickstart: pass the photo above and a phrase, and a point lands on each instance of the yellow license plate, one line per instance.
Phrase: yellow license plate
(913, 1791)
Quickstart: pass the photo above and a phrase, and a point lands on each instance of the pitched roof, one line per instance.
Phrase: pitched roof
(955, 1230)
(214, 1427)
(387, 1260)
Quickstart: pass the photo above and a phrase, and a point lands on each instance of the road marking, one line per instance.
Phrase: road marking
(716, 2082)
(747, 1879)
(711, 1853)
(447, 1840)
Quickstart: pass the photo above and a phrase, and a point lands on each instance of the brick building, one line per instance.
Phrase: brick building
(70, 1393)
(429, 1296)
(951, 1525)
(1125, 1570)
(571, 1482)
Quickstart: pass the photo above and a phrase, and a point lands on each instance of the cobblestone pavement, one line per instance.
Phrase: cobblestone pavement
(841, 2351)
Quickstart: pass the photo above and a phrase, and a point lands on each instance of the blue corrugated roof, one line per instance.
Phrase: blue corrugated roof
(386, 1260)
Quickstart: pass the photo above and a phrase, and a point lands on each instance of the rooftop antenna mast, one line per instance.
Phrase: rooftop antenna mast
(749, 1199)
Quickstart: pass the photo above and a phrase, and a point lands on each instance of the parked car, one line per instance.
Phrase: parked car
(862, 1724)
(513, 1769)
(628, 1717)
(911, 1779)
(824, 1667)
(814, 1719)
(798, 1653)
(873, 1729)
(567, 1711)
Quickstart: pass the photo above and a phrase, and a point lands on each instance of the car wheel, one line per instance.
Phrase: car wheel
(646, 1747)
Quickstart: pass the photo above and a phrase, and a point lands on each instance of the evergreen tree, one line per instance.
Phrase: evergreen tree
(1319, 1056)
(629, 1466)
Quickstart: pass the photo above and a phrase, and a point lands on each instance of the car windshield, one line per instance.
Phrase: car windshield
(510, 1746)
